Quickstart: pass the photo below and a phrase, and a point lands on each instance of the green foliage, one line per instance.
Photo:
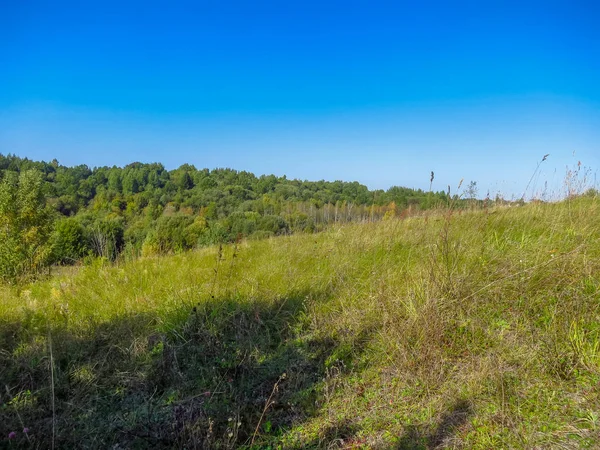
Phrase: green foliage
(193, 232)
(69, 242)
(170, 233)
(107, 237)
(25, 225)
(299, 221)
(273, 224)
(475, 330)
(185, 182)
(232, 204)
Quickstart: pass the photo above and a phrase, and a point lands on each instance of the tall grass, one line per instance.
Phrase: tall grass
(462, 329)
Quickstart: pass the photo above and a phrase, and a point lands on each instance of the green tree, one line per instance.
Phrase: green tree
(68, 241)
(25, 225)
(107, 237)
(130, 184)
(114, 180)
(185, 182)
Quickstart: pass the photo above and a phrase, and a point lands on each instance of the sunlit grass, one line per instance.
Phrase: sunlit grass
(475, 329)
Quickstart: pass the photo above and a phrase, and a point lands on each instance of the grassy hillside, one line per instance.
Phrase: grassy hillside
(471, 330)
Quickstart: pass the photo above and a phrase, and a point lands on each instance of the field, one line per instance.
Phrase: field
(452, 329)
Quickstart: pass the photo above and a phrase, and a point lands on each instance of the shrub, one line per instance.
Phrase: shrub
(68, 242)
(274, 224)
(107, 237)
(25, 225)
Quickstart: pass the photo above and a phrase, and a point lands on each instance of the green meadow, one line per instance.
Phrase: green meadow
(450, 329)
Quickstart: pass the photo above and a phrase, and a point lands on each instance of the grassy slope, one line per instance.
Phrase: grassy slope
(478, 330)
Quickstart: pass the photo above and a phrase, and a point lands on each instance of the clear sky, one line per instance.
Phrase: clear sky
(378, 92)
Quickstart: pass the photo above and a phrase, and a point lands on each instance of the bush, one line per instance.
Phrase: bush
(274, 224)
(193, 232)
(150, 246)
(170, 233)
(107, 237)
(216, 233)
(25, 225)
(68, 242)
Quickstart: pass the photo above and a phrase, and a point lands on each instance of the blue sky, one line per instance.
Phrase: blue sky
(382, 93)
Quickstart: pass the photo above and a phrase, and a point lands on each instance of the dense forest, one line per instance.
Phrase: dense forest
(55, 214)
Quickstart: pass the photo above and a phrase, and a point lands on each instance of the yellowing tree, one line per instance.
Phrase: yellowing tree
(392, 211)
(25, 225)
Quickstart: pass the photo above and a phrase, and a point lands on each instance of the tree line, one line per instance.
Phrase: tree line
(54, 214)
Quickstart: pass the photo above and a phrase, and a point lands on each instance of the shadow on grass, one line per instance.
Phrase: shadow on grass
(347, 434)
(207, 375)
(200, 377)
(341, 435)
(419, 438)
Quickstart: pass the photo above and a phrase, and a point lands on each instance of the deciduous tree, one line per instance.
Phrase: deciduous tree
(25, 225)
